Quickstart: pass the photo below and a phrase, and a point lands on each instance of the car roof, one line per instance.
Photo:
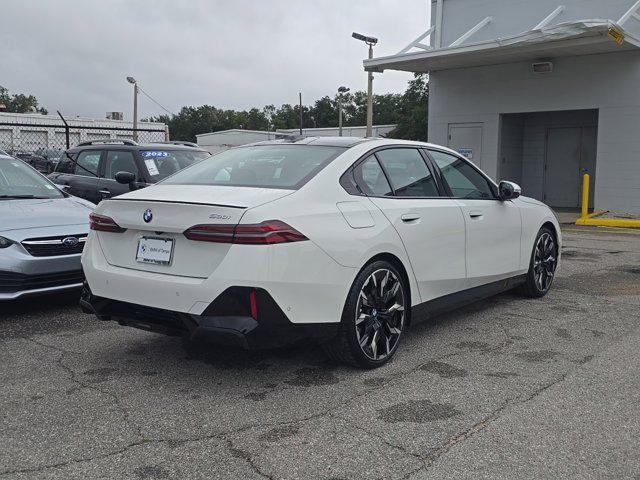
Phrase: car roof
(140, 146)
(348, 142)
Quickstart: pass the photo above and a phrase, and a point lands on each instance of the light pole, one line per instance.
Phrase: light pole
(371, 41)
(341, 91)
(135, 107)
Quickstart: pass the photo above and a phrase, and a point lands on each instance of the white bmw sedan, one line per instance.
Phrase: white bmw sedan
(343, 240)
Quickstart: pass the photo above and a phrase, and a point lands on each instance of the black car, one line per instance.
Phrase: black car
(46, 160)
(29, 158)
(89, 169)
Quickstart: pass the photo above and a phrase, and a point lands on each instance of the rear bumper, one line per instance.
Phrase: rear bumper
(226, 321)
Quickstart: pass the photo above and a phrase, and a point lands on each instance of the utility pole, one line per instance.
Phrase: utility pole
(371, 41)
(370, 96)
(135, 107)
(300, 113)
(341, 91)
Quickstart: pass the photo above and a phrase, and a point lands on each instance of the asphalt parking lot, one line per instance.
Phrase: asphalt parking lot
(506, 388)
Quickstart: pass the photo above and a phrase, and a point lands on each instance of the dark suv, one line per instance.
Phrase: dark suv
(89, 169)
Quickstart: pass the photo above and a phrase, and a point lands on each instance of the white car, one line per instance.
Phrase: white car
(345, 240)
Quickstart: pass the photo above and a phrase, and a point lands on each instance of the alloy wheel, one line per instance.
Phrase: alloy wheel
(380, 314)
(544, 261)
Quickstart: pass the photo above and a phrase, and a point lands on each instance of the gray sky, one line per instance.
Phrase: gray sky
(74, 55)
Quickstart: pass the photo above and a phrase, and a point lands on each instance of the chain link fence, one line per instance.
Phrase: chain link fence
(23, 139)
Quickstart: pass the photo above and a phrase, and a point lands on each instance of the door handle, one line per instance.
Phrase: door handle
(105, 193)
(410, 217)
(475, 214)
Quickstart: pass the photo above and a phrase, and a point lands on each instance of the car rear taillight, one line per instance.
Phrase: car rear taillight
(211, 233)
(266, 233)
(102, 223)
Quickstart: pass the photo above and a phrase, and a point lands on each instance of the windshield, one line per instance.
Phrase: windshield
(265, 166)
(18, 180)
(162, 163)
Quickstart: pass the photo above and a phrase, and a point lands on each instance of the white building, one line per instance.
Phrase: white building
(538, 92)
(28, 132)
(359, 131)
(225, 139)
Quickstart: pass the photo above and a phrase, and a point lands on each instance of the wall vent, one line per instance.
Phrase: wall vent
(542, 67)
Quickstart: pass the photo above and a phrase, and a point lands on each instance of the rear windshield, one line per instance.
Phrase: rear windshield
(264, 166)
(162, 163)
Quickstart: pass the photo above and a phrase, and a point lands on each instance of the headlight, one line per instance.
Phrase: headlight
(5, 242)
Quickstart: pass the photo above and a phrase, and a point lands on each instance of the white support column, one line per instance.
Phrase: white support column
(471, 32)
(630, 13)
(416, 42)
(438, 24)
(549, 18)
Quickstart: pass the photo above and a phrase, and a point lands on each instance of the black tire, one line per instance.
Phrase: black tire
(535, 285)
(376, 310)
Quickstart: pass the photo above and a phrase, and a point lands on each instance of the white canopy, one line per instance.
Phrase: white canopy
(584, 37)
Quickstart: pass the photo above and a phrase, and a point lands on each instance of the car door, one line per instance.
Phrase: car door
(115, 161)
(493, 226)
(401, 184)
(84, 180)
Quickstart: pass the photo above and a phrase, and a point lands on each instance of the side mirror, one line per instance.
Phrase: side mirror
(509, 190)
(127, 178)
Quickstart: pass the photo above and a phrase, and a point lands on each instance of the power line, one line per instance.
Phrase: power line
(155, 101)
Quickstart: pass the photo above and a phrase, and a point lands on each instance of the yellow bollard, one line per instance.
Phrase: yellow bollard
(585, 195)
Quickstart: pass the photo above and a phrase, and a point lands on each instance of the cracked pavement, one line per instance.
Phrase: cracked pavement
(506, 388)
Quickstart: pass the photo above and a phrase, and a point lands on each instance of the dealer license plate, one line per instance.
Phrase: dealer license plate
(158, 251)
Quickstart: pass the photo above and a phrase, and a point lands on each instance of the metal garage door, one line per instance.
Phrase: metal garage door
(571, 151)
(6, 139)
(61, 139)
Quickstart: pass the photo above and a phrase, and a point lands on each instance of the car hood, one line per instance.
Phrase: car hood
(22, 214)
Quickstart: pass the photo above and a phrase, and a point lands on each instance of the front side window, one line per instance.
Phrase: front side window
(264, 166)
(464, 180)
(162, 163)
(120, 161)
(408, 173)
(18, 180)
(371, 179)
(87, 163)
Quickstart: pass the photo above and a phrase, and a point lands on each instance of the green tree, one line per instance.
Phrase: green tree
(19, 102)
(412, 123)
(285, 117)
(408, 111)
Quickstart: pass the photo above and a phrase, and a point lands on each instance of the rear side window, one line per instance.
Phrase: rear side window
(264, 166)
(370, 178)
(408, 172)
(87, 163)
(464, 180)
(162, 163)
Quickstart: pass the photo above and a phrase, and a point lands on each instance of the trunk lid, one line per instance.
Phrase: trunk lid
(174, 209)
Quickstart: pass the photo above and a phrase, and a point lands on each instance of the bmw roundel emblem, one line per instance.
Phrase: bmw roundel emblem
(147, 216)
(70, 241)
